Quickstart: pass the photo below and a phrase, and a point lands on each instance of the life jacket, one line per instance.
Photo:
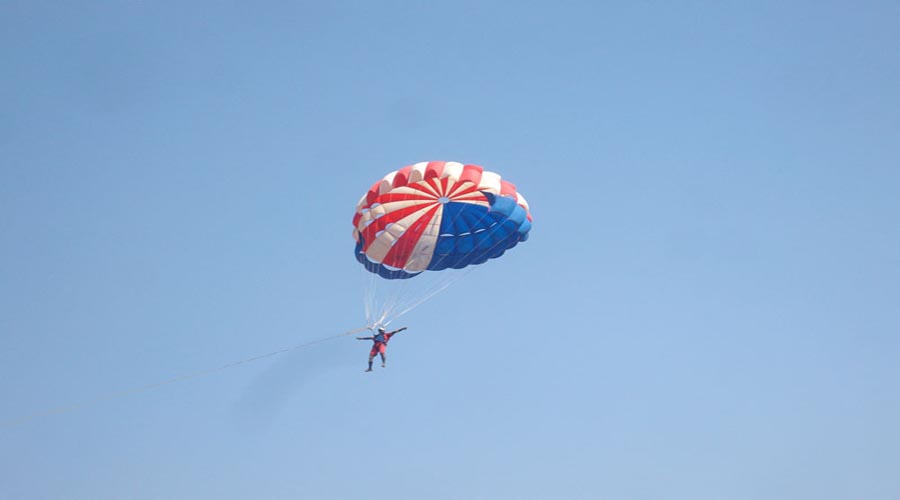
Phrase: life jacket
(381, 338)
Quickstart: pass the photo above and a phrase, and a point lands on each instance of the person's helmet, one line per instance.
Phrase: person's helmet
(380, 329)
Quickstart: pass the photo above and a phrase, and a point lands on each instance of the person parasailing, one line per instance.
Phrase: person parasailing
(379, 344)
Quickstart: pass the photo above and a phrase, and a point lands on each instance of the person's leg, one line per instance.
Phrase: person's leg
(381, 351)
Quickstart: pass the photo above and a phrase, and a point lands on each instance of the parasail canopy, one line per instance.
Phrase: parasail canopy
(437, 215)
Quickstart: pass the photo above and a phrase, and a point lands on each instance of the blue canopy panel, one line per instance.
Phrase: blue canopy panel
(472, 234)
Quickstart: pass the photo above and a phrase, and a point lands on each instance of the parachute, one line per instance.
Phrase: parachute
(432, 218)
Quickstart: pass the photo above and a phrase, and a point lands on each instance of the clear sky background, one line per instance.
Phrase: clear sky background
(708, 306)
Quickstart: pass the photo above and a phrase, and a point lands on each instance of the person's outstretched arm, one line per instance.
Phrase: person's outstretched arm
(398, 331)
(365, 338)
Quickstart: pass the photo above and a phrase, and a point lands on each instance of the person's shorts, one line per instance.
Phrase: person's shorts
(377, 348)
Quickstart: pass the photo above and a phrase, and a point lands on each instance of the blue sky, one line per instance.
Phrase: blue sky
(706, 308)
